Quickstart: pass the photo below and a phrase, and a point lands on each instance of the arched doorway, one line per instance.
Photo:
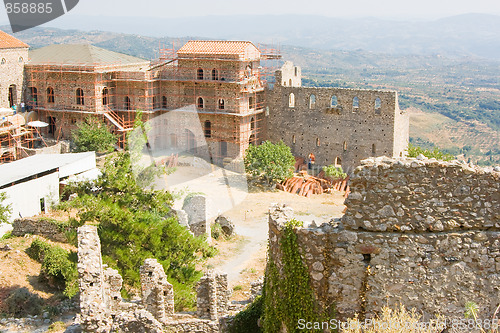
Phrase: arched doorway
(12, 95)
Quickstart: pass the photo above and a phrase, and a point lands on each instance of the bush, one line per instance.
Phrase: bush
(414, 151)
(58, 266)
(60, 270)
(21, 302)
(5, 210)
(272, 162)
(334, 172)
(93, 135)
(37, 250)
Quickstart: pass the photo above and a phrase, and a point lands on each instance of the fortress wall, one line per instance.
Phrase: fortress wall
(422, 233)
(338, 132)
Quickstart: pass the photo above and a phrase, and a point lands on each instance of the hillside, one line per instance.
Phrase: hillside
(464, 91)
(476, 35)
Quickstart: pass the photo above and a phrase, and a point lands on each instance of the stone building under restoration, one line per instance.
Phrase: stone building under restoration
(210, 98)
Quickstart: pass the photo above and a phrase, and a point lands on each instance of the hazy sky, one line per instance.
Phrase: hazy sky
(346, 8)
(393, 9)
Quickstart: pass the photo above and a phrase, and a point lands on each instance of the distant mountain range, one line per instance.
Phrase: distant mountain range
(468, 35)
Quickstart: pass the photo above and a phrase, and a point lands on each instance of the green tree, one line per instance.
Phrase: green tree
(414, 151)
(136, 223)
(5, 210)
(93, 135)
(272, 162)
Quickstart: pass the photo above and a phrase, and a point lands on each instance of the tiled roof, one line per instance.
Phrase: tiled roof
(209, 47)
(80, 54)
(10, 42)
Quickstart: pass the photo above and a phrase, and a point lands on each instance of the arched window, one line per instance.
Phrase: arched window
(128, 105)
(291, 100)
(338, 161)
(200, 103)
(318, 143)
(80, 100)
(290, 82)
(355, 104)
(50, 95)
(200, 74)
(378, 105)
(252, 124)
(105, 94)
(312, 101)
(296, 71)
(215, 74)
(251, 141)
(345, 146)
(334, 101)
(21, 59)
(164, 102)
(374, 150)
(208, 129)
(251, 102)
(3, 61)
(221, 104)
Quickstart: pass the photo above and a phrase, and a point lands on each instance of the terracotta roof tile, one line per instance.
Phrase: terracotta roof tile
(9, 42)
(214, 47)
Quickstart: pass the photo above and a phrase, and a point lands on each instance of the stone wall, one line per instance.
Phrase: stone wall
(11, 75)
(196, 210)
(38, 226)
(418, 232)
(103, 309)
(340, 126)
(213, 296)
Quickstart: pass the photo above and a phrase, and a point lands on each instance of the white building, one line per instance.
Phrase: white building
(32, 184)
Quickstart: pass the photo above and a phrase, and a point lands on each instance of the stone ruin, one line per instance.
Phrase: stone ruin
(195, 207)
(103, 309)
(418, 232)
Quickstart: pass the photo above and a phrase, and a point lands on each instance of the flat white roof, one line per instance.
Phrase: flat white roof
(37, 164)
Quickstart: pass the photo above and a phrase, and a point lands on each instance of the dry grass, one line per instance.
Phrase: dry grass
(394, 321)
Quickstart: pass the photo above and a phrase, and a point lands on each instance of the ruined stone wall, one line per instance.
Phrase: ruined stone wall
(103, 309)
(38, 226)
(418, 232)
(212, 296)
(340, 126)
(11, 73)
(291, 76)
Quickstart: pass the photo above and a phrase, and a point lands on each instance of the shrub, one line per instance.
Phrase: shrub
(269, 161)
(37, 250)
(93, 135)
(60, 270)
(331, 171)
(58, 266)
(21, 302)
(414, 151)
(5, 210)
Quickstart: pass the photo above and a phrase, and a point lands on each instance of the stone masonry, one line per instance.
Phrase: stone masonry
(423, 233)
(157, 293)
(195, 208)
(213, 296)
(103, 309)
(340, 126)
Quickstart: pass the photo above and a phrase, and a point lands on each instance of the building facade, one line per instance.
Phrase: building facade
(210, 98)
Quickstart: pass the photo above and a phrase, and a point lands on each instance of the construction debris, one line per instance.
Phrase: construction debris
(307, 185)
